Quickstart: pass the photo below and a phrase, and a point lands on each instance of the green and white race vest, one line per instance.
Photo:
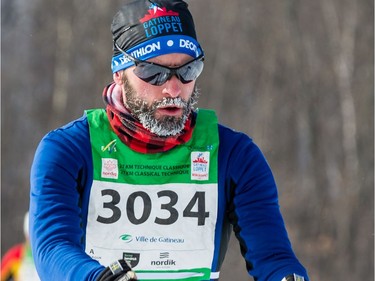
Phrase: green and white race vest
(157, 211)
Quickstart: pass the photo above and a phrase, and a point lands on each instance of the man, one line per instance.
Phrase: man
(149, 188)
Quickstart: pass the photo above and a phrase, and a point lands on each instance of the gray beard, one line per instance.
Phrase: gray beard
(166, 125)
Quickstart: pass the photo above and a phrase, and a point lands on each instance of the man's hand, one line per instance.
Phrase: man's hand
(117, 271)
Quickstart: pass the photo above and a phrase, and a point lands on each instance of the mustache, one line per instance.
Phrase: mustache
(167, 101)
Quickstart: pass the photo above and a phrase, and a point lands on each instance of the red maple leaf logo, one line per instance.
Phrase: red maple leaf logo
(157, 12)
(200, 160)
(109, 165)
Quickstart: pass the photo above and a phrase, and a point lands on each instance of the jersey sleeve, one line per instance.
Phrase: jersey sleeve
(253, 209)
(59, 169)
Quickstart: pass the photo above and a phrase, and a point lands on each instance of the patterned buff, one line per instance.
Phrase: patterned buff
(131, 131)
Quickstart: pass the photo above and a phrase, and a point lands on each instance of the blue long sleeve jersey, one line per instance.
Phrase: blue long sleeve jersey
(62, 175)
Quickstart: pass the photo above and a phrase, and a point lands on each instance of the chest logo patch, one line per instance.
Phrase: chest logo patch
(109, 168)
(200, 164)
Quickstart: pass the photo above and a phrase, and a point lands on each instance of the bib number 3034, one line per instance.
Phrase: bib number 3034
(163, 207)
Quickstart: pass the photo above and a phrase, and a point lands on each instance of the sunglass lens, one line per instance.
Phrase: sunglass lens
(190, 71)
(152, 74)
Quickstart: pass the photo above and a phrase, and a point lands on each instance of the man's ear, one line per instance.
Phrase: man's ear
(117, 77)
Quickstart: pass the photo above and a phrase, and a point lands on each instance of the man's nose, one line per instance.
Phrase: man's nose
(173, 87)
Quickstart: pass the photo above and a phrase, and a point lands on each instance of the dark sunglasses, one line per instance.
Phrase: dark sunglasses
(156, 74)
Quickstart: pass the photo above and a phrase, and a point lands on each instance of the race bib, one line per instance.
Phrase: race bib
(153, 227)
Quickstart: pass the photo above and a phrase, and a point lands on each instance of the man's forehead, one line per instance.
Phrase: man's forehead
(173, 59)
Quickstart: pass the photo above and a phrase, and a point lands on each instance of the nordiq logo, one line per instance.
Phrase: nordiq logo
(127, 238)
(109, 168)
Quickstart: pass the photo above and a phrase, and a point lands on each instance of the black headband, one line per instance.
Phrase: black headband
(148, 28)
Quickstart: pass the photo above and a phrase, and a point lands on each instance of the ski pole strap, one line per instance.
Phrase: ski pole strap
(293, 277)
(117, 271)
(115, 267)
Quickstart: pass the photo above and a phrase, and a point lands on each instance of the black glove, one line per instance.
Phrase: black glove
(117, 271)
